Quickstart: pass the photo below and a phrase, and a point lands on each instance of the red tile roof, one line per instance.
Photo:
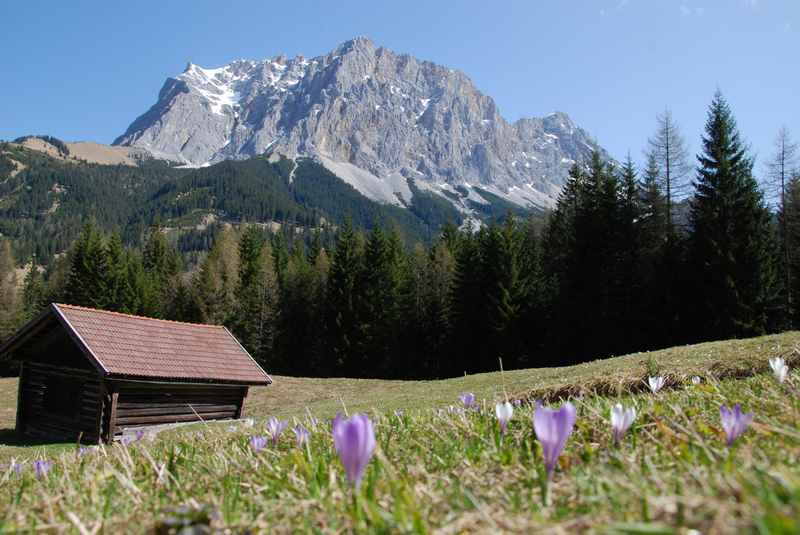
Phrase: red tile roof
(133, 346)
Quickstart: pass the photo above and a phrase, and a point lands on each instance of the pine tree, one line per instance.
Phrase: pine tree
(343, 323)
(161, 264)
(256, 295)
(379, 285)
(34, 294)
(731, 237)
(470, 322)
(120, 292)
(790, 216)
(88, 281)
(215, 281)
(9, 299)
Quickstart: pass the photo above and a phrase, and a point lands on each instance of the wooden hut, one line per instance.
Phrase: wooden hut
(94, 374)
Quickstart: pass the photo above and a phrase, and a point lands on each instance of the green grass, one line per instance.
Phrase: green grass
(437, 470)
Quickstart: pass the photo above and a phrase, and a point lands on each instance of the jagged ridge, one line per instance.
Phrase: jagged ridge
(376, 118)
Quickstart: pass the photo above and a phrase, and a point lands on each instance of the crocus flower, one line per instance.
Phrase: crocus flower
(655, 383)
(257, 443)
(695, 380)
(399, 414)
(40, 468)
(354, 440)
(504, 412)
(779, 368)
(734, 422)
(301, 435)
(467, 399)
(621, 420)
(552, 428)
(17, 467)
(275, 427)
(517, 402)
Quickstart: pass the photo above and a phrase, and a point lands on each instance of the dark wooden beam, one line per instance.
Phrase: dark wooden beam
(240, 411)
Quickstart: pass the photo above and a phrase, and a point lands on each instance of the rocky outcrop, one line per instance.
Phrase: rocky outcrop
(376, 118)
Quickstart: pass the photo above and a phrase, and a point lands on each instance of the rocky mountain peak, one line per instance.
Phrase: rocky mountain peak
(386, 123)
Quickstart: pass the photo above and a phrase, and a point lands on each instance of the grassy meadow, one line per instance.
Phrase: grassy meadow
(441, 469)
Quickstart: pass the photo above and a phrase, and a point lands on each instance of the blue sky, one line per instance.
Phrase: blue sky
(85, 69)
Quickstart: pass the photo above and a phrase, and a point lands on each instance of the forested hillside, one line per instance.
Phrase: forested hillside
(44, 202)
(617, 267)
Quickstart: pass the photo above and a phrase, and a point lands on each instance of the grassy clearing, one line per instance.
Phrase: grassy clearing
(437, 470)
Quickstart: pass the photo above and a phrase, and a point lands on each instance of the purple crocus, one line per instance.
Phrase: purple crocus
(40, 468)
(467, 399)
(504, 412)
(354, 440)
(398, 414)
(552, 428)
(517, 402)
(734, 422)
(17, 467)
(275, 427)
(301, 435)
(257, 443)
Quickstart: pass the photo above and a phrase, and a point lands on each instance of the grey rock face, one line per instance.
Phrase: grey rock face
(376, 118)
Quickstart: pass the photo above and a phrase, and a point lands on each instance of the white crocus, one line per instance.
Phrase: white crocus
(779, 368)
(621, 420)
(504, 412)
(655, 383)
(695, 380)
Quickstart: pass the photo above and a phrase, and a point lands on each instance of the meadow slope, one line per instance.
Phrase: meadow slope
(444, 470)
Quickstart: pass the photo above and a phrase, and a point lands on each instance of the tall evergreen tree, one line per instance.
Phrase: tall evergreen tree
(121, 296)
(88, 281)
(34, 293)
(380, 300)
(731, 237)
(9, 299)
(256, 295)
(790, 216)
(343, 323)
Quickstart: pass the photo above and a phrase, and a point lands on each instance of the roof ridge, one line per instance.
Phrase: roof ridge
(113, 313)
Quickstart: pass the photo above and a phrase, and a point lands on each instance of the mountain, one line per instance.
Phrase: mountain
(46, 196)
(386, 123)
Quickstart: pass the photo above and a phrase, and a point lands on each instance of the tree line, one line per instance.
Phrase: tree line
(629, 259)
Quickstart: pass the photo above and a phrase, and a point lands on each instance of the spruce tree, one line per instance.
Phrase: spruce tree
(790, 217)
(731, 238)
(120, 292)
(380, 303)
(88, 281)
(34, 293)
(343, 323)
(9, 299)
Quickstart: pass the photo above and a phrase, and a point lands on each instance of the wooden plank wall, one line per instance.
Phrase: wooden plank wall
(140, 403)
(36, 421)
